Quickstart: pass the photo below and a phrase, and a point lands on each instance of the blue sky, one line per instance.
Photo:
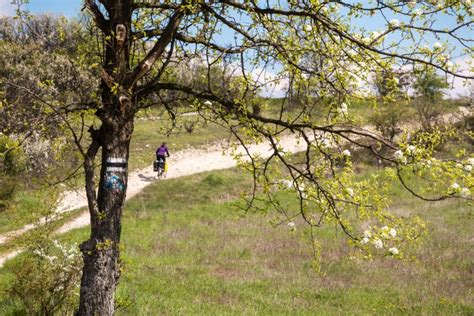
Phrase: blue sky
(65, 7)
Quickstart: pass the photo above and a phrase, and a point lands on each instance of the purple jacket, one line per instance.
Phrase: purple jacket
(162, 151)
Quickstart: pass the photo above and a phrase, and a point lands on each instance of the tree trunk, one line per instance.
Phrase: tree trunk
(101, 253)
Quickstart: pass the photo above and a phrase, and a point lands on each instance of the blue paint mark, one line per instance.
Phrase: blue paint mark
(114, 183)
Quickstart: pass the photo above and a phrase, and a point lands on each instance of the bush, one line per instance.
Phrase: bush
(11, 157)
(429, 112)
(213, 180)
(388, 120)
(190, 126)
(47, 279)
(7, 190)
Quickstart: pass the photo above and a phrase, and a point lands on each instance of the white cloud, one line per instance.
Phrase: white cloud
(6, 8)
(272, 85)
(462, 87)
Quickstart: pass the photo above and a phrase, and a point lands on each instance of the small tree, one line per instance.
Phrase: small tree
(392, 110)
(429, 102)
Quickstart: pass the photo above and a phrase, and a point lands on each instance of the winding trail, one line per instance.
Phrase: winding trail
(182, 163)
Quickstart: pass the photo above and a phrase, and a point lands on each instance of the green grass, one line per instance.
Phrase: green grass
(187, 251)
(28, 205)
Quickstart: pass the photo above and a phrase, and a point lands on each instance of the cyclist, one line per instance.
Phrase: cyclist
(162, 152)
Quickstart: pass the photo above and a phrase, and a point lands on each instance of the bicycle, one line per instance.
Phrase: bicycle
(159, 167)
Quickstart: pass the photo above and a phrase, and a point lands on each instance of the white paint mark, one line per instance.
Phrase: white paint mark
(115, 169)
(116, 160)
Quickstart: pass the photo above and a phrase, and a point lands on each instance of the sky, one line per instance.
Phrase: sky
(71, 8)
(68, 8)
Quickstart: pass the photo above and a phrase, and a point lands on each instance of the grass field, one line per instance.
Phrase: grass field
(187, 251)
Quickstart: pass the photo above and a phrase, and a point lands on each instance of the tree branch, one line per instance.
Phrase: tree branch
(145, 65)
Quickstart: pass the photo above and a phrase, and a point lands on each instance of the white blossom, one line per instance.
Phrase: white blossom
(467, 2)
(437, 45)
(394, 23)
(350, 191)
(287, 183)
(468, 168)
(325, 142)
(411, 4)
(208, 103)
(393, 251)
(367, 234)
(465, 192)
(417, 12)
(292, 226)
(343, 108)
(455, 186)
(378, 243)
(392, 232)
(346, 152)
(470, 161)
(458, 165)
(449, 64)
(364, 240)
(398, 155)
(375, 34)
(411, 149)
(307, 28)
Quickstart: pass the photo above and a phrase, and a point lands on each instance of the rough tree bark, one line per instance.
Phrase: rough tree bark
(101, 252)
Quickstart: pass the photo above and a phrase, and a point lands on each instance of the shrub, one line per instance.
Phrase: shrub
(429, 112)
(47, 278)
(190, 126)
(389, 119)
(11, 156)
(213, 180)
(7, 190)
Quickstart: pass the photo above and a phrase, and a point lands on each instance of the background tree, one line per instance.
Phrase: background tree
(141, 42)
(428, 100)
(392, 103)
(44, 80)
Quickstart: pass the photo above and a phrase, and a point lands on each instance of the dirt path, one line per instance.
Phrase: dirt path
(182, 163)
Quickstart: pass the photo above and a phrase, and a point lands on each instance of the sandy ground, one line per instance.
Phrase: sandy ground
(182, 163)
